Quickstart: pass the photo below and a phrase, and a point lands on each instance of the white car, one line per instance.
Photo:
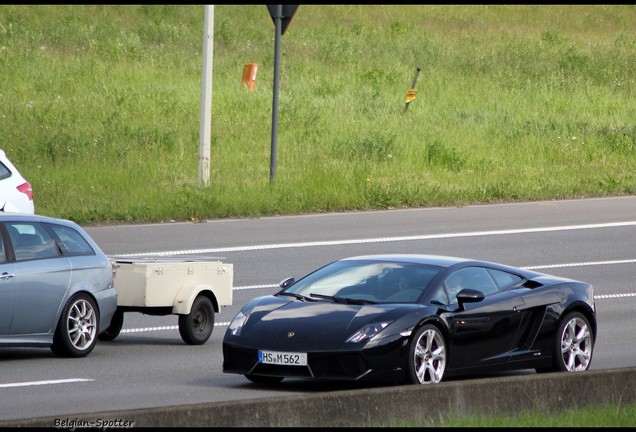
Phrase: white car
(16, 194)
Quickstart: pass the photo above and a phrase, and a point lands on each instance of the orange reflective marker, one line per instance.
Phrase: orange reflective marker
(249, 75)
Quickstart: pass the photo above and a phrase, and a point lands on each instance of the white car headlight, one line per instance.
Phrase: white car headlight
(368, 331)
(237, 324)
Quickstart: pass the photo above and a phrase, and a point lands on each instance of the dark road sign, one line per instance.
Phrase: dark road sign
(287, 15)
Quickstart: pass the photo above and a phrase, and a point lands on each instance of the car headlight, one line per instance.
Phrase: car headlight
(368, 331)
(237, 324)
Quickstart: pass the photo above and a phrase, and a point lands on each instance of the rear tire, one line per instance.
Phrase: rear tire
(76, 331)
(196, 327)
(573, 345)
(113, 330)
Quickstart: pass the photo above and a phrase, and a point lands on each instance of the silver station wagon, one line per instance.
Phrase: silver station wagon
(56, 285)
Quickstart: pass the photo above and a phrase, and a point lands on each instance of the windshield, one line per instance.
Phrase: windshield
(368, 281)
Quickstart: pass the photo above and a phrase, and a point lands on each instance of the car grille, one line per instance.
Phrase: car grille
(349, 366)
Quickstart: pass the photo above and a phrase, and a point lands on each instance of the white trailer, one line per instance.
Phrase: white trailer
(194, 288)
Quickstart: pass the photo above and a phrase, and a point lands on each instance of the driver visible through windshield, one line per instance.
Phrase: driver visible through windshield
(365, 281)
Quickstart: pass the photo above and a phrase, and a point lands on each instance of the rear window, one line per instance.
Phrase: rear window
(504, 279)
(71, 242)
(4, 171)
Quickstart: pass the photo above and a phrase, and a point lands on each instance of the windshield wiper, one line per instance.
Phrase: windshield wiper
(343, 300)
(295, 295)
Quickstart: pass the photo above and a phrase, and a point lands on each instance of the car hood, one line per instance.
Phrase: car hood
(277, 323)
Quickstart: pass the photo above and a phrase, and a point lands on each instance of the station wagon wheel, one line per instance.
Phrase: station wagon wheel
(113, 330)
(196, 327)
(76, 331)
(427, 356)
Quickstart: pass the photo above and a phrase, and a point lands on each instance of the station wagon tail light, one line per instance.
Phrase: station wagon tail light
(368, 331)
(26, 189)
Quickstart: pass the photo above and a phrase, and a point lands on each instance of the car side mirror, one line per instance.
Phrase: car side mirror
(286, 282)
(468, 295)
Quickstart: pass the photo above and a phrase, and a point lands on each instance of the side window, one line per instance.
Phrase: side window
(31, 241)
(71, 242)
(476, 278)
(440, 297)
(504, 279)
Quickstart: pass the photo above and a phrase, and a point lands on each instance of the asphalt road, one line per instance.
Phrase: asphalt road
(149, 365)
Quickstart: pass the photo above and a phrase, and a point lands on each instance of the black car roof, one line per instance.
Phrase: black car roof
(447, 261)
(437, 260)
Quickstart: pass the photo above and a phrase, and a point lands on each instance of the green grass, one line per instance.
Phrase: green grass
(99, 107)
(602, 416)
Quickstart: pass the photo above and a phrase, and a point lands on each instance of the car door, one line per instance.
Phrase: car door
(481, 333)
(42, 279)
(7, 288)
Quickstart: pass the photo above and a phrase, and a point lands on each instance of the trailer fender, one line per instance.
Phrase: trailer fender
(186, 295)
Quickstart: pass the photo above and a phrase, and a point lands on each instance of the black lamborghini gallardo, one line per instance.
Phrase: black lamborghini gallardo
(412, 318)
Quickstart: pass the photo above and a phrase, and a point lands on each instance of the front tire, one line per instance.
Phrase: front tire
(76, 331)
(196, 327)
(427, 356)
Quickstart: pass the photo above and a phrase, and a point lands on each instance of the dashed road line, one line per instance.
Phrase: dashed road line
(46, 382)
(384, 239)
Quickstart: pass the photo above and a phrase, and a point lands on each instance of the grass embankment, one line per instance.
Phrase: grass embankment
(603, 416)
(100, 107)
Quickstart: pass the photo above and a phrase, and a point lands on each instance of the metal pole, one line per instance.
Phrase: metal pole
(278, 25)
(205, 122)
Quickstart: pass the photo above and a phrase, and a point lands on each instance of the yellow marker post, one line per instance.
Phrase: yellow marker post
(411, 93)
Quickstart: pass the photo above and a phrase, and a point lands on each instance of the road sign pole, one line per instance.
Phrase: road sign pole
(282, 16)
(278, 15)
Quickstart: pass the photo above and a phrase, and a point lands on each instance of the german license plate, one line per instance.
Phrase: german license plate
(282, 358)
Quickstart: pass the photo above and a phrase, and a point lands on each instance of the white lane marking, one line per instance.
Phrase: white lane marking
(150, 329)
(384, 239)
(147, 329)
(581, 264)
(35, 383)
(248, 287)
(608, 296)
(161, 328)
